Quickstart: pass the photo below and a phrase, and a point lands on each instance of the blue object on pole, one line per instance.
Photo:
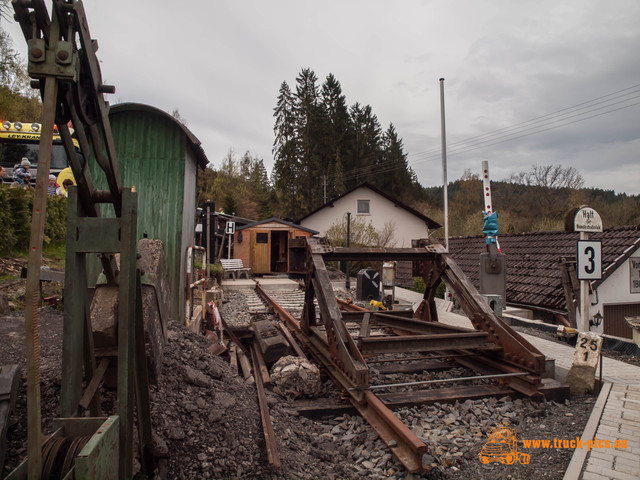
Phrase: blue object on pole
(490, 228)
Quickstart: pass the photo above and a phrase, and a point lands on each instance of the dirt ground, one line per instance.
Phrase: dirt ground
(206, 420)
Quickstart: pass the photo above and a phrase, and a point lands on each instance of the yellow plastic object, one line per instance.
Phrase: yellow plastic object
(65, 174)
(375, 303)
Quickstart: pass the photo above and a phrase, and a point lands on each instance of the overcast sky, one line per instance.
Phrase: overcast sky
(505, 63)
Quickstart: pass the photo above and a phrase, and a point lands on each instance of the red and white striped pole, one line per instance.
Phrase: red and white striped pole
(486, 192)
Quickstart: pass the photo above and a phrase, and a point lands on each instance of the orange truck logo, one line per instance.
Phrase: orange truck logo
(502, 447)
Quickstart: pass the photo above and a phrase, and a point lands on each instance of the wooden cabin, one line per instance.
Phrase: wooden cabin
(272, 246)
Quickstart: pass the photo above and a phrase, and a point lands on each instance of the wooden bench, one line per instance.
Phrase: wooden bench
(233, 267)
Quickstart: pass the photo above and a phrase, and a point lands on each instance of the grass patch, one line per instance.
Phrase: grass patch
(55, 255)
(6, 278)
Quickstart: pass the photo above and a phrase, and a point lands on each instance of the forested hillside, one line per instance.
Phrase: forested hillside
(526, 205)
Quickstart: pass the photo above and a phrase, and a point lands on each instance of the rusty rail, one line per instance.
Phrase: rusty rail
(285, 316)
(404, 444)
(491, 348)
(273, 454)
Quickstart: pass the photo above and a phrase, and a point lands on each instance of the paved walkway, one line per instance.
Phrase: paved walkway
(614, 429)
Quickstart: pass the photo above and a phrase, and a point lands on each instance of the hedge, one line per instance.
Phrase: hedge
(15, 219)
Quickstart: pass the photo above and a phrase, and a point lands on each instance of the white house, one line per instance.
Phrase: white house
(376, 207)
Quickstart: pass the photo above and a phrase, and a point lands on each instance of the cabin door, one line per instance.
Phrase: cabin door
(260, 252)
(279, 248)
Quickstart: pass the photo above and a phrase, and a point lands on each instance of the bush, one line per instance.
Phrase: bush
(15, 233)
(216, 271)
(418, 285)
(55, 226)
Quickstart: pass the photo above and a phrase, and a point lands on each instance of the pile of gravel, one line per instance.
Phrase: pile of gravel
(206, 421)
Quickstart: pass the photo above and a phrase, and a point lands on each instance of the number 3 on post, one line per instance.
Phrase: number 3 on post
(589, 259)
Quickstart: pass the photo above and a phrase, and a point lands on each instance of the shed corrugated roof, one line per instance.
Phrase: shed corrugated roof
(533, 276)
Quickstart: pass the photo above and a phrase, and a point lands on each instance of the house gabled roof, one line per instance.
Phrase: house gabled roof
(432, 224)
(533, 275)
(278, 220)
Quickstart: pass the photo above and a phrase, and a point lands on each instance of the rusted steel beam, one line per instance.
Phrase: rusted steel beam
(357, 315)
(384, 386)
(405, 445)
(273, 455)
(32, 349)
(415, 325)
(419, 366)
(282, 314)
(372, 253)
(527, 385)
(422, 343)
(344, 352)
(443, 395)
(517, 350)
(350, 307)
(287, 334)
(431, 272)
(261, 366)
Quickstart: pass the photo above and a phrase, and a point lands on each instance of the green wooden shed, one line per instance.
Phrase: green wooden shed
(160, 157)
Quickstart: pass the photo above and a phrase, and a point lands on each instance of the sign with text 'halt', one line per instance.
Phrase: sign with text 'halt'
(587, 220)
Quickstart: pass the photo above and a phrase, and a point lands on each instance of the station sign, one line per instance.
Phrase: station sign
(230, 228)
(587, 219)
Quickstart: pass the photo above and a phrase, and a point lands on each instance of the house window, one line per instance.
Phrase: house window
(262, 237)
(363, 207)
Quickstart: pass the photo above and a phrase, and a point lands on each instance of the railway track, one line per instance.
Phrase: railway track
(397, 379)
(388, 360)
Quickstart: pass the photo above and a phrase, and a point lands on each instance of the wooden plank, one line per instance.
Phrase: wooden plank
(233, 361)
(245, 365)
(91, 389)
